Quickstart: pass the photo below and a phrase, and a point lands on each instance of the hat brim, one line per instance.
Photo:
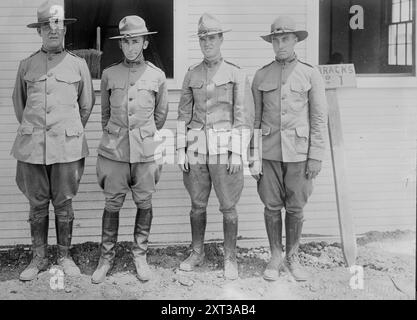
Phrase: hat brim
(200, 35)
(133, 35)
(39, 24)
(301, 35)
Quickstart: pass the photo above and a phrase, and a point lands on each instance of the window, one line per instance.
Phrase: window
(380, 41)
(99, 19)
(400, 44)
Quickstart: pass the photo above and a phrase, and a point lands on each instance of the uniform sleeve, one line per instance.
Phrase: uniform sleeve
(257, 98)
(318, 117)
(185, 109)
(161, 104)
(86, 97)
(105, 100)
(243, 114)
(19, 93)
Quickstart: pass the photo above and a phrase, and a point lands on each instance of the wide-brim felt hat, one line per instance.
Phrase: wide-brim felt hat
(132, 26)
(283, 25)
(209, 25)
(50, 11)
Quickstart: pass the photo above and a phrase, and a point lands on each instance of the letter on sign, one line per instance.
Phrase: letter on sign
(356, 21)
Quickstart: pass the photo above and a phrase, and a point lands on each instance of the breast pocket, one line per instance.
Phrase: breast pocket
(67, 85)
(268, 90)
(35, 85)
(224, 91)
(298, 96)
(146, 93)
(118, 95)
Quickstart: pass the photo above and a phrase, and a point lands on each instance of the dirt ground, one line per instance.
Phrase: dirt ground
(387, 258)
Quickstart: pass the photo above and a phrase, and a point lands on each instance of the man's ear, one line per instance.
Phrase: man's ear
(145, 44)
(39, 32)
(65, 30)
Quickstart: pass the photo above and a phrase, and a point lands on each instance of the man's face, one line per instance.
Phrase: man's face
(52, 38)
(132, 47)
(210, 45)
(284, 45)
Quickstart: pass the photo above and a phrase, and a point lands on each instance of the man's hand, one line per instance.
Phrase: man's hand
(183, 160)
(235, 163)
(313, 168)
(255, 169)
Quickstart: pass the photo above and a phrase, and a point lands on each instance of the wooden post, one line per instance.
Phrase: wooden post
(340, 76)
(346, 224)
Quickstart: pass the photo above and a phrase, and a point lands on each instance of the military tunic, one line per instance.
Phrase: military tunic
(291, 112)
(216, 106)
(53, 98)
(134, 105)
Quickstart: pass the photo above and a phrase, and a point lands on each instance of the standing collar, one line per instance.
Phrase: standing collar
(133, 64)
(288, 60)
(214, 62)
(52, 52)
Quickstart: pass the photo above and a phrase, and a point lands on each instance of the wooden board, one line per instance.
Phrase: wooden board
(344, 211)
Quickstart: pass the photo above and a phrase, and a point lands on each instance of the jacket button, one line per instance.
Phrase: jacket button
(132, 84)
(50, 58)
(130, 99)
(130, 114)
(48, 128)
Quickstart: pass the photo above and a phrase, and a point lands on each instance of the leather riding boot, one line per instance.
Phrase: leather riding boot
(141, 232)
(273, 224)
(230, 226)
(293, 228)
(198, 228)
(39, 234)
(63, 226)
(110, 227)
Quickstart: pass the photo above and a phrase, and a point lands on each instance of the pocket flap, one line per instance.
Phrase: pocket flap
(268, 86)
(195, 125)
(147, 131)
(115, 84)
(222, 80)
(31, 77)
(302, 132)
(68, 78)
(222, 126)
(147, 85)
(266, 131)
(112, 128)
(23, 130)
(298, 87)
(73, 132)
(196, 84)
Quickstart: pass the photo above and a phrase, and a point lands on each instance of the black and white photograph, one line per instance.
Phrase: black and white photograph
(227, 151)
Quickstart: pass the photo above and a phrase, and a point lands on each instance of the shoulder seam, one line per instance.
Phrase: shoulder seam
(112, 65)
(305, 63)
(231, 63)
(266, 65)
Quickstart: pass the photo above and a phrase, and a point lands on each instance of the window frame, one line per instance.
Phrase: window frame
(180, 45)
(363, 80)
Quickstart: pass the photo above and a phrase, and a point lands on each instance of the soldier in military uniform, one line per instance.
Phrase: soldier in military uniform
(291, 111)
(216, 107)
(134, 105)
(53, 99)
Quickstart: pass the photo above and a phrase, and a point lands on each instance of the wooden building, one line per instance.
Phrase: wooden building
(379, 116)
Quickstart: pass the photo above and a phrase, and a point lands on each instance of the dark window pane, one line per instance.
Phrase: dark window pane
(106, 14)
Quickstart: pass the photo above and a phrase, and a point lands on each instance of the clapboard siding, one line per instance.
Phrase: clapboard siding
(378, 126)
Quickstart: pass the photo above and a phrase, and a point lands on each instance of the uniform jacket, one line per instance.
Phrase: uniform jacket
(218, 110)
(53, 98)
(134, 105)
(291, 111)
